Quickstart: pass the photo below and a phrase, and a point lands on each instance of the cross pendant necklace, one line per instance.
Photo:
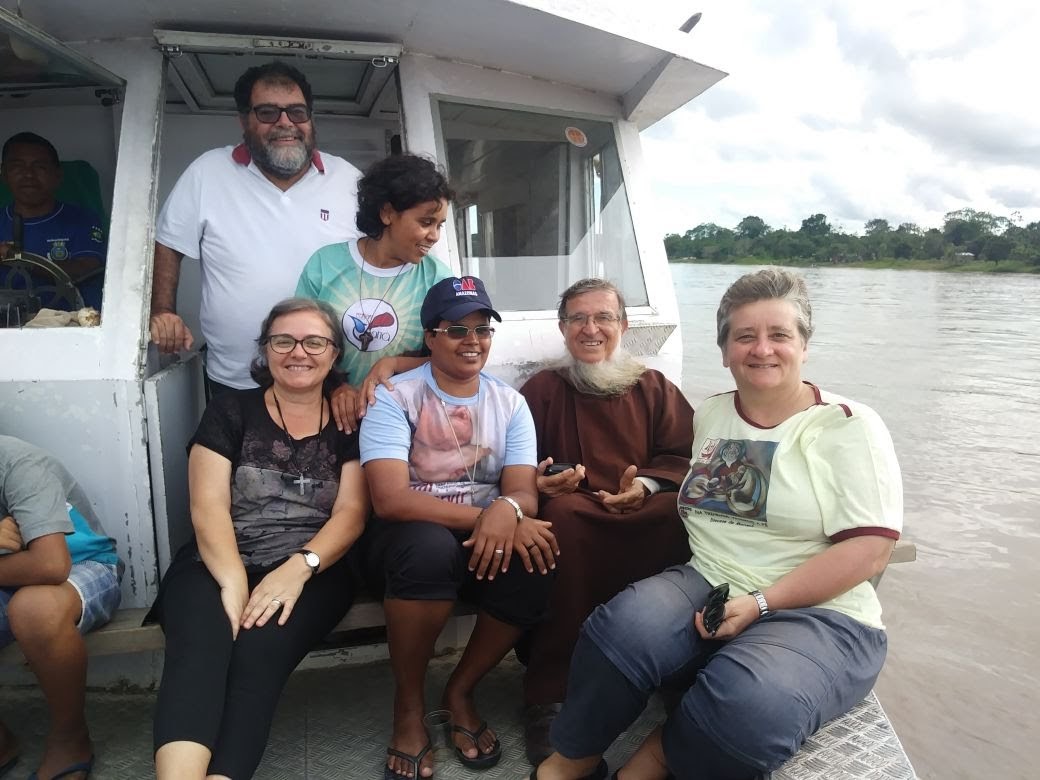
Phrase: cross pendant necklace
(301, 480)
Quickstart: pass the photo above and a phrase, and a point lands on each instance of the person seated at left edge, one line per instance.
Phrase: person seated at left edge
(70, 236)
(59, 578)
(449, 455)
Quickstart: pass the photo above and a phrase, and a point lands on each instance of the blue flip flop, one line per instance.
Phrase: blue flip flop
(83, 766)
(483, 760)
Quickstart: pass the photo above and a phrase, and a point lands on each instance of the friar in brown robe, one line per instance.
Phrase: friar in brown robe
(628, 431)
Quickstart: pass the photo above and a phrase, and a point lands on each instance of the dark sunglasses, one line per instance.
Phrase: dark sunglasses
(459, 332)
(715, 607)
(269, 113)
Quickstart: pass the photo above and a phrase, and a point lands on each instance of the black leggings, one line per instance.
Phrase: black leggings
(222, 693)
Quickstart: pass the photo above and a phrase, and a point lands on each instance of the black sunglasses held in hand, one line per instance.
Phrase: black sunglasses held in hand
(715, 607)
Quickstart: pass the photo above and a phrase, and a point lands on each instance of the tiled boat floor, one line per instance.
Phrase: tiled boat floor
(335, 723)
(331, 723)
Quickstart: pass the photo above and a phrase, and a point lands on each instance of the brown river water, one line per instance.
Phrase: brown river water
(952, 364)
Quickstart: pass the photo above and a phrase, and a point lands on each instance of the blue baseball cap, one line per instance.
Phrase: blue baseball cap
(453, 298)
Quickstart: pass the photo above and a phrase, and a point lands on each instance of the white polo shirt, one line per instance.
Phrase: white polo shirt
(253, 241)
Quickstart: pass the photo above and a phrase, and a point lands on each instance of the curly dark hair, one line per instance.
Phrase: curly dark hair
(274, 72)
(400, 181)
(258, 368)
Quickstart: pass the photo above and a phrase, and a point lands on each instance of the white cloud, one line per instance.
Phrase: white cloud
(900, 109)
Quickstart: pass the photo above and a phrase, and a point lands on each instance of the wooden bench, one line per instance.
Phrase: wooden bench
(125, 634)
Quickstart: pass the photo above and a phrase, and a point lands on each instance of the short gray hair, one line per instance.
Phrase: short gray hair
(768, 284)
(259, 370)
(586, 286)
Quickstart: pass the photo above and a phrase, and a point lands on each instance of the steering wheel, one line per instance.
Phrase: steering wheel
(59, 291)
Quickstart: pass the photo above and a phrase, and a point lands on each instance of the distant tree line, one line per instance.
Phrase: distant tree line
(966, 235)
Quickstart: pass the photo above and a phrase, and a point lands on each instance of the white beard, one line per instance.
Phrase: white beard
(287, 162)
(614, 376)
(283, 162)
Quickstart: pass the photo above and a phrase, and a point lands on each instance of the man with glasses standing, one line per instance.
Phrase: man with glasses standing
(620, 436)
(252, 214)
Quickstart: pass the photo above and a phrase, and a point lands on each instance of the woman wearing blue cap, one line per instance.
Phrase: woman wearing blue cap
(450, 459)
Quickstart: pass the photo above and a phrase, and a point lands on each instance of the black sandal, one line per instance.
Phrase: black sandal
(483, 760)
(390, 774)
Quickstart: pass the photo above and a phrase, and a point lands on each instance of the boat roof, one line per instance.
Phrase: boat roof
(649, 69)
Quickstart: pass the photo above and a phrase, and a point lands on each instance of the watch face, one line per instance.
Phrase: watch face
(312, 560)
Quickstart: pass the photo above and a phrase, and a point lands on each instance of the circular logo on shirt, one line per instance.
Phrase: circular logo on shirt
(58, 250)
(370, 324)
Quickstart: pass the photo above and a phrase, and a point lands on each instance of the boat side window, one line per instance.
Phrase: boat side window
(59, 158)
(541, 203)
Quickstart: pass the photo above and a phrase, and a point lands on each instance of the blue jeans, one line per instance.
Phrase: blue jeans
(756, 697)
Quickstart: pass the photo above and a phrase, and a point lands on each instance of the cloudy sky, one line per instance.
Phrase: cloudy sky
(900, 109)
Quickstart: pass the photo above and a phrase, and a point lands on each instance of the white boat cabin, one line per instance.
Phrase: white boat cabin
(534, 107)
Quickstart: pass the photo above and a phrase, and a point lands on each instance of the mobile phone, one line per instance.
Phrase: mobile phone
(557, 468)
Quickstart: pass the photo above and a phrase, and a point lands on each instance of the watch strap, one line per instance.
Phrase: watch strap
(763, 605)
(513, 503)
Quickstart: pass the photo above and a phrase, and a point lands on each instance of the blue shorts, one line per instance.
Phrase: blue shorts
(98, 587)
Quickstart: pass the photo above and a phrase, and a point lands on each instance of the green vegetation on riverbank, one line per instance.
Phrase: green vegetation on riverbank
(977, 266)
(969, 240)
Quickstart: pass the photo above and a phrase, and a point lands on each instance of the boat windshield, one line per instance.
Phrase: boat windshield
(540, 203)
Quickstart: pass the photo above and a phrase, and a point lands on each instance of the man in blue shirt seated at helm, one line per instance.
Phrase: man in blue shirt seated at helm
(69, 235)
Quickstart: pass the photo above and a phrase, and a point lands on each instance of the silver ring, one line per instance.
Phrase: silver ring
(276, 602)
(500, 552)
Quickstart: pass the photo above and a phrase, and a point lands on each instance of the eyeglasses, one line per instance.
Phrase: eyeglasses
(283, 343)
(459, 332)
(715, 607)
(269, 113)
(604, 319)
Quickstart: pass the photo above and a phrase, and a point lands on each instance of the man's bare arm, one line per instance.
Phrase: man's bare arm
(168, 330)
(45, 561)
(166, 274)
(81, 265)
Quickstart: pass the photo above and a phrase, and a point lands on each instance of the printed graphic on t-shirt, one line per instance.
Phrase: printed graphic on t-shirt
(58, 250)
(729, 482)
(370, 324)
(456, 451)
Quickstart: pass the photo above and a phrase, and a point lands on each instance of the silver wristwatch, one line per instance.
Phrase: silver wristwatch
(311, 559)
(763, 605)
(513, 503)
